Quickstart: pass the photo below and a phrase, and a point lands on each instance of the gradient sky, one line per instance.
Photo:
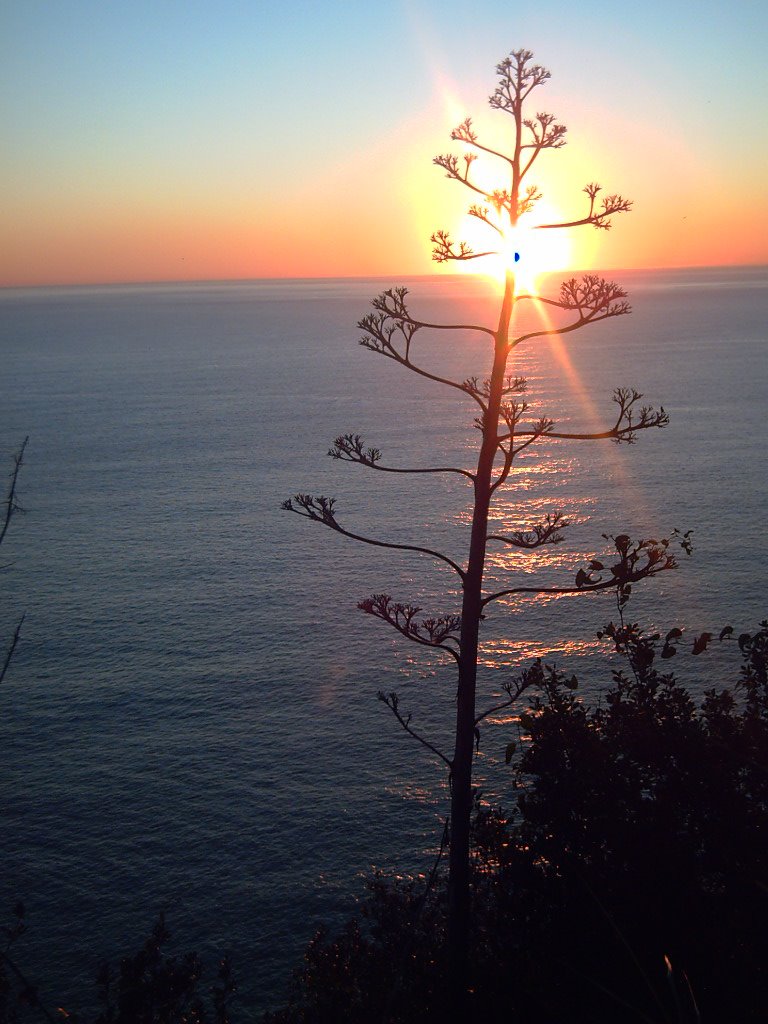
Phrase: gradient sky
(182, 140)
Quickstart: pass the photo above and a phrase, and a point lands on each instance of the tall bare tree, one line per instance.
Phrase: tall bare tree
(506, 429)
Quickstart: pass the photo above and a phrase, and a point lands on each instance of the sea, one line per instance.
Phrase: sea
(190, 723)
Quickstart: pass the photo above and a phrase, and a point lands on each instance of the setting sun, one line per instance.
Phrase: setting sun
(531, 253)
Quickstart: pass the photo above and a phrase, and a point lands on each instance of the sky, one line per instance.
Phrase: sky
(187, 140)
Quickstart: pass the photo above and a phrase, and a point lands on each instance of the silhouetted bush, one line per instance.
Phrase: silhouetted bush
(151, 986)
(629, 884)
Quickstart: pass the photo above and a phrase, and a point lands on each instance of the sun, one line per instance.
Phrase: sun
(532, 253)
(528, 252)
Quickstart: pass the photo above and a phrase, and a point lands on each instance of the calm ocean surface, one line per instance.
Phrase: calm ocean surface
(190, 722)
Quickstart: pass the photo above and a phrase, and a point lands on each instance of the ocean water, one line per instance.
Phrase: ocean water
(190, 722)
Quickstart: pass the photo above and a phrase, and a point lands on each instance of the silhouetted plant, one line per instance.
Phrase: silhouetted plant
(150, 986)
(629, 883)
(506, 428)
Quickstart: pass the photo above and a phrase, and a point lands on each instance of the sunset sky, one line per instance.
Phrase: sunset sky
(183, 140)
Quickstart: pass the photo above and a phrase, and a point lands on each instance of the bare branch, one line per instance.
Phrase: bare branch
(11, 648)
(390, 321)
(628, 421)
(392, 701)
(511, 413)
(11, 504)
(445, 249)
(517, 79)
(322, 510)
(600, 218)
(592, 298)
(482, 213)
(452, 168)
(531, 197)
(392, 303)
(593, 294)
(545, 532)
(546, 134)
(430, 632)
(349, 448)
(29, 990)
(533, 676)
(466, 133)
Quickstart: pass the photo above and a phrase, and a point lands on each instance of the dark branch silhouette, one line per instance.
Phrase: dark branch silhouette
(322, 510)
(350, 448)
(393, 703)
(429, 632)
(11, 504)
(545, 532)
(12, 508)
(598, 218)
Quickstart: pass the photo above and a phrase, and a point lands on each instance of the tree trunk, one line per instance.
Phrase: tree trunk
(461, 774)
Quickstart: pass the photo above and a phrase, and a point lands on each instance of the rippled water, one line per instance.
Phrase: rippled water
(190, 723)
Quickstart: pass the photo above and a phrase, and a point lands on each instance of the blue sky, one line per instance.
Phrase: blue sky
(117, 117)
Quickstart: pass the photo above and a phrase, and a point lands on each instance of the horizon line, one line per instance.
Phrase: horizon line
(144, 283)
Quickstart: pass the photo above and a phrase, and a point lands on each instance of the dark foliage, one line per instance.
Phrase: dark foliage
(630, 885)
(151, 986)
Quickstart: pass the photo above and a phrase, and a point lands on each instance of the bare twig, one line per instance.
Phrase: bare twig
(392, 701)
(11, 504)
(322, 510)
(350, 448)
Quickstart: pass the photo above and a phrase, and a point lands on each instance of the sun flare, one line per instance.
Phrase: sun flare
(528, 252)
(531, 253)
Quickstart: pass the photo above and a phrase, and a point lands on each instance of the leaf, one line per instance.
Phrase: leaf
(700, 643)
(511, 748)
(526, 721)
(725, 631)
(572, 683)
(596, 565)
(673, 634)
(668, 651)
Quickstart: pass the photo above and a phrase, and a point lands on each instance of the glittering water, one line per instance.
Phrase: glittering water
(190, 723)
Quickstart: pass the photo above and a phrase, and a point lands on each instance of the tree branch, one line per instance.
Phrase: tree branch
(431, 632)
(30, 990)
(349, 448)
(390, 319)
(386, 349)
(445, 249)
(11, 648)
(392, 303)
(517, 79)
(546, 134)
(623, 431)
(532, 676)
(466, 133)
(637, 561)
(11, 504)
(597, 218)
(481, 213)
(321, 510)
(545, 532)
(392, 701)
(450, 165)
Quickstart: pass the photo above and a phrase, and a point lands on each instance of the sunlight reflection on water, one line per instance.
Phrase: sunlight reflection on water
(193, 705)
